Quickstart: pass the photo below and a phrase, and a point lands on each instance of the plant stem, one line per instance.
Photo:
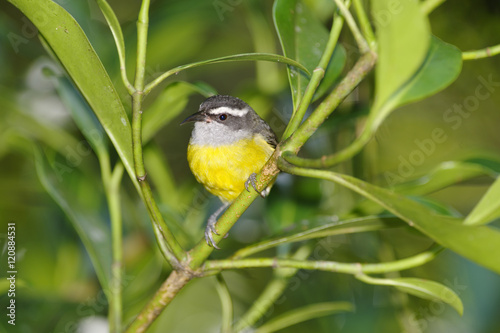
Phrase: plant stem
(168, 290)
(175, 252)
(113, 197)
(358, 36)
(363, 66)
(329, 266)
(364, 22)
(226, 304)
(429, 5)
(317, 76)
(483, 53)
(111, 182)
(272, 292)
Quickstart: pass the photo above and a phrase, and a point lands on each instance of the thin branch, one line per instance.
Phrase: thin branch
(177, 253)
(483, 53)
(363, 66)
(317, 76)
(226, 304)
(358, 36)
(364, 22)
(113, 196)
(329, 266)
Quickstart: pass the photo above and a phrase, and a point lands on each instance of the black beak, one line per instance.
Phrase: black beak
(198, 116)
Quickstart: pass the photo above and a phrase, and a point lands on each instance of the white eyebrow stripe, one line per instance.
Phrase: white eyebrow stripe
(225, 109)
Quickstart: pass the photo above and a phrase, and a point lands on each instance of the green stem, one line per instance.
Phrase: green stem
(483, 53)
(330, 160)
(226, 303)
(113, 196)
(362, 67)
(429, 5)
(358, 36)
(168, 290)
(364, 22)
(142, 40)
(111, 183)
(272, 292)
(175, 252)
(317, 76)
(329, 266)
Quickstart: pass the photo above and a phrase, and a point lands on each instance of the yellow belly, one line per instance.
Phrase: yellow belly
(223, 170)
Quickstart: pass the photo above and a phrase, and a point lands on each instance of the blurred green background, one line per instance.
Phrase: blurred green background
(57, 289)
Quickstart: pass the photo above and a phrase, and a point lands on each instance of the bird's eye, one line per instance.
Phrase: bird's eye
(223, 117)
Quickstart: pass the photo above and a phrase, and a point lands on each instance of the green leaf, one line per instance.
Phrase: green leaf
(476, 243)
(66, 187)
(425, 289)
(304, 39)
(488, 208)
(74, 51)
(444, 175)
(403, 36)
(302, 314)
(83, 116)
(231, 58)
(169, 104)
(441, 67)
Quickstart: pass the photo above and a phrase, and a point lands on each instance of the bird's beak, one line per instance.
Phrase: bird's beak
(198, 116)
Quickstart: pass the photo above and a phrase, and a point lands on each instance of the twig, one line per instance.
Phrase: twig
(482, 53)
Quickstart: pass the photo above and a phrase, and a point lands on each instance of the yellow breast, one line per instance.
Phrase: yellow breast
(223, 170)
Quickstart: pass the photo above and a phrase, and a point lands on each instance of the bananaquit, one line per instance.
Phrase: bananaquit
(228, 145)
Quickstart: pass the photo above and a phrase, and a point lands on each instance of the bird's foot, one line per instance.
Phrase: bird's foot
(252, 180)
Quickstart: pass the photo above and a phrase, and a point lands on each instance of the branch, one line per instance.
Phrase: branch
(175, 252)
(483, 53)
(364, 65)
(328, 266)
(365, 23)
(358, 36)
(317, 76)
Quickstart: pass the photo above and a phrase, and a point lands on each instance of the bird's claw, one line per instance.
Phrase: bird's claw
(253, 181)
(209, 231)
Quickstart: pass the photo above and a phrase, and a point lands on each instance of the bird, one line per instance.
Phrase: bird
(229, 144)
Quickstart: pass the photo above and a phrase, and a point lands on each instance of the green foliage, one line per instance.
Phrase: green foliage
(303, 38)
(421, 288)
